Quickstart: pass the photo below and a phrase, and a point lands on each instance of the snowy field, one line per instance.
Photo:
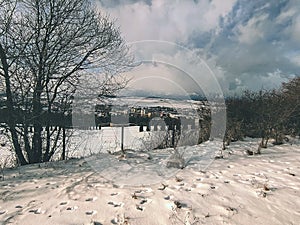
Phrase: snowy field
(108, 139)
(236, 189)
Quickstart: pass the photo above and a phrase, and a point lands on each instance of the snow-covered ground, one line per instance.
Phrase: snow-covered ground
(236, 189)
(108, 139)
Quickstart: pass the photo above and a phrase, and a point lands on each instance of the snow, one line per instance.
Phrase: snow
(139, 189)
(108, 139)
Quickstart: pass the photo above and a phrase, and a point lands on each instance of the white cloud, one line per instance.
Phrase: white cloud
(252, 31)
(168, 20)
(295, 29)
(289, 17)
(285, 15)
(244, 42)
(294, 57)
(173, 69)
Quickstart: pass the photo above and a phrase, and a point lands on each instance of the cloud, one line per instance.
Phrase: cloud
(252, 32)
(167, 20)
(256, 41)
(244, 42)
(173, 69)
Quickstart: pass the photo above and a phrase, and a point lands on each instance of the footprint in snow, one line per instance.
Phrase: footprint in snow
(63, 203)
(91, 199)
(72, 208)
(139, 207)
(144, 201)
(90, 213)
(167, 197)
(180, 205)
(116, 204)
(37, 211)
(113, 194)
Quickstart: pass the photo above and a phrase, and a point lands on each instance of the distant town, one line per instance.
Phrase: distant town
(109, 114)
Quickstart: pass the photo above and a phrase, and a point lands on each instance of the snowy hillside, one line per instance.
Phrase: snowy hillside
(237, 189)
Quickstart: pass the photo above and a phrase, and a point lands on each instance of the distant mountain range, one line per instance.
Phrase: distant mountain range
(153, 95)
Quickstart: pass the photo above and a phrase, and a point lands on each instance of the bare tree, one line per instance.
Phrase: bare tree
(290, 92)
(265, 114)
(45, 47)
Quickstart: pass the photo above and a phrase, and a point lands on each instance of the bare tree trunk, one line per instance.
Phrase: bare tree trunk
(27, 144)
(48, 143)
(37, 125)
(54, 147)
(64, 144)
(9, 103)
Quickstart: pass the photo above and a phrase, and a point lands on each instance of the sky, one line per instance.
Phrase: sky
(232, 44)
